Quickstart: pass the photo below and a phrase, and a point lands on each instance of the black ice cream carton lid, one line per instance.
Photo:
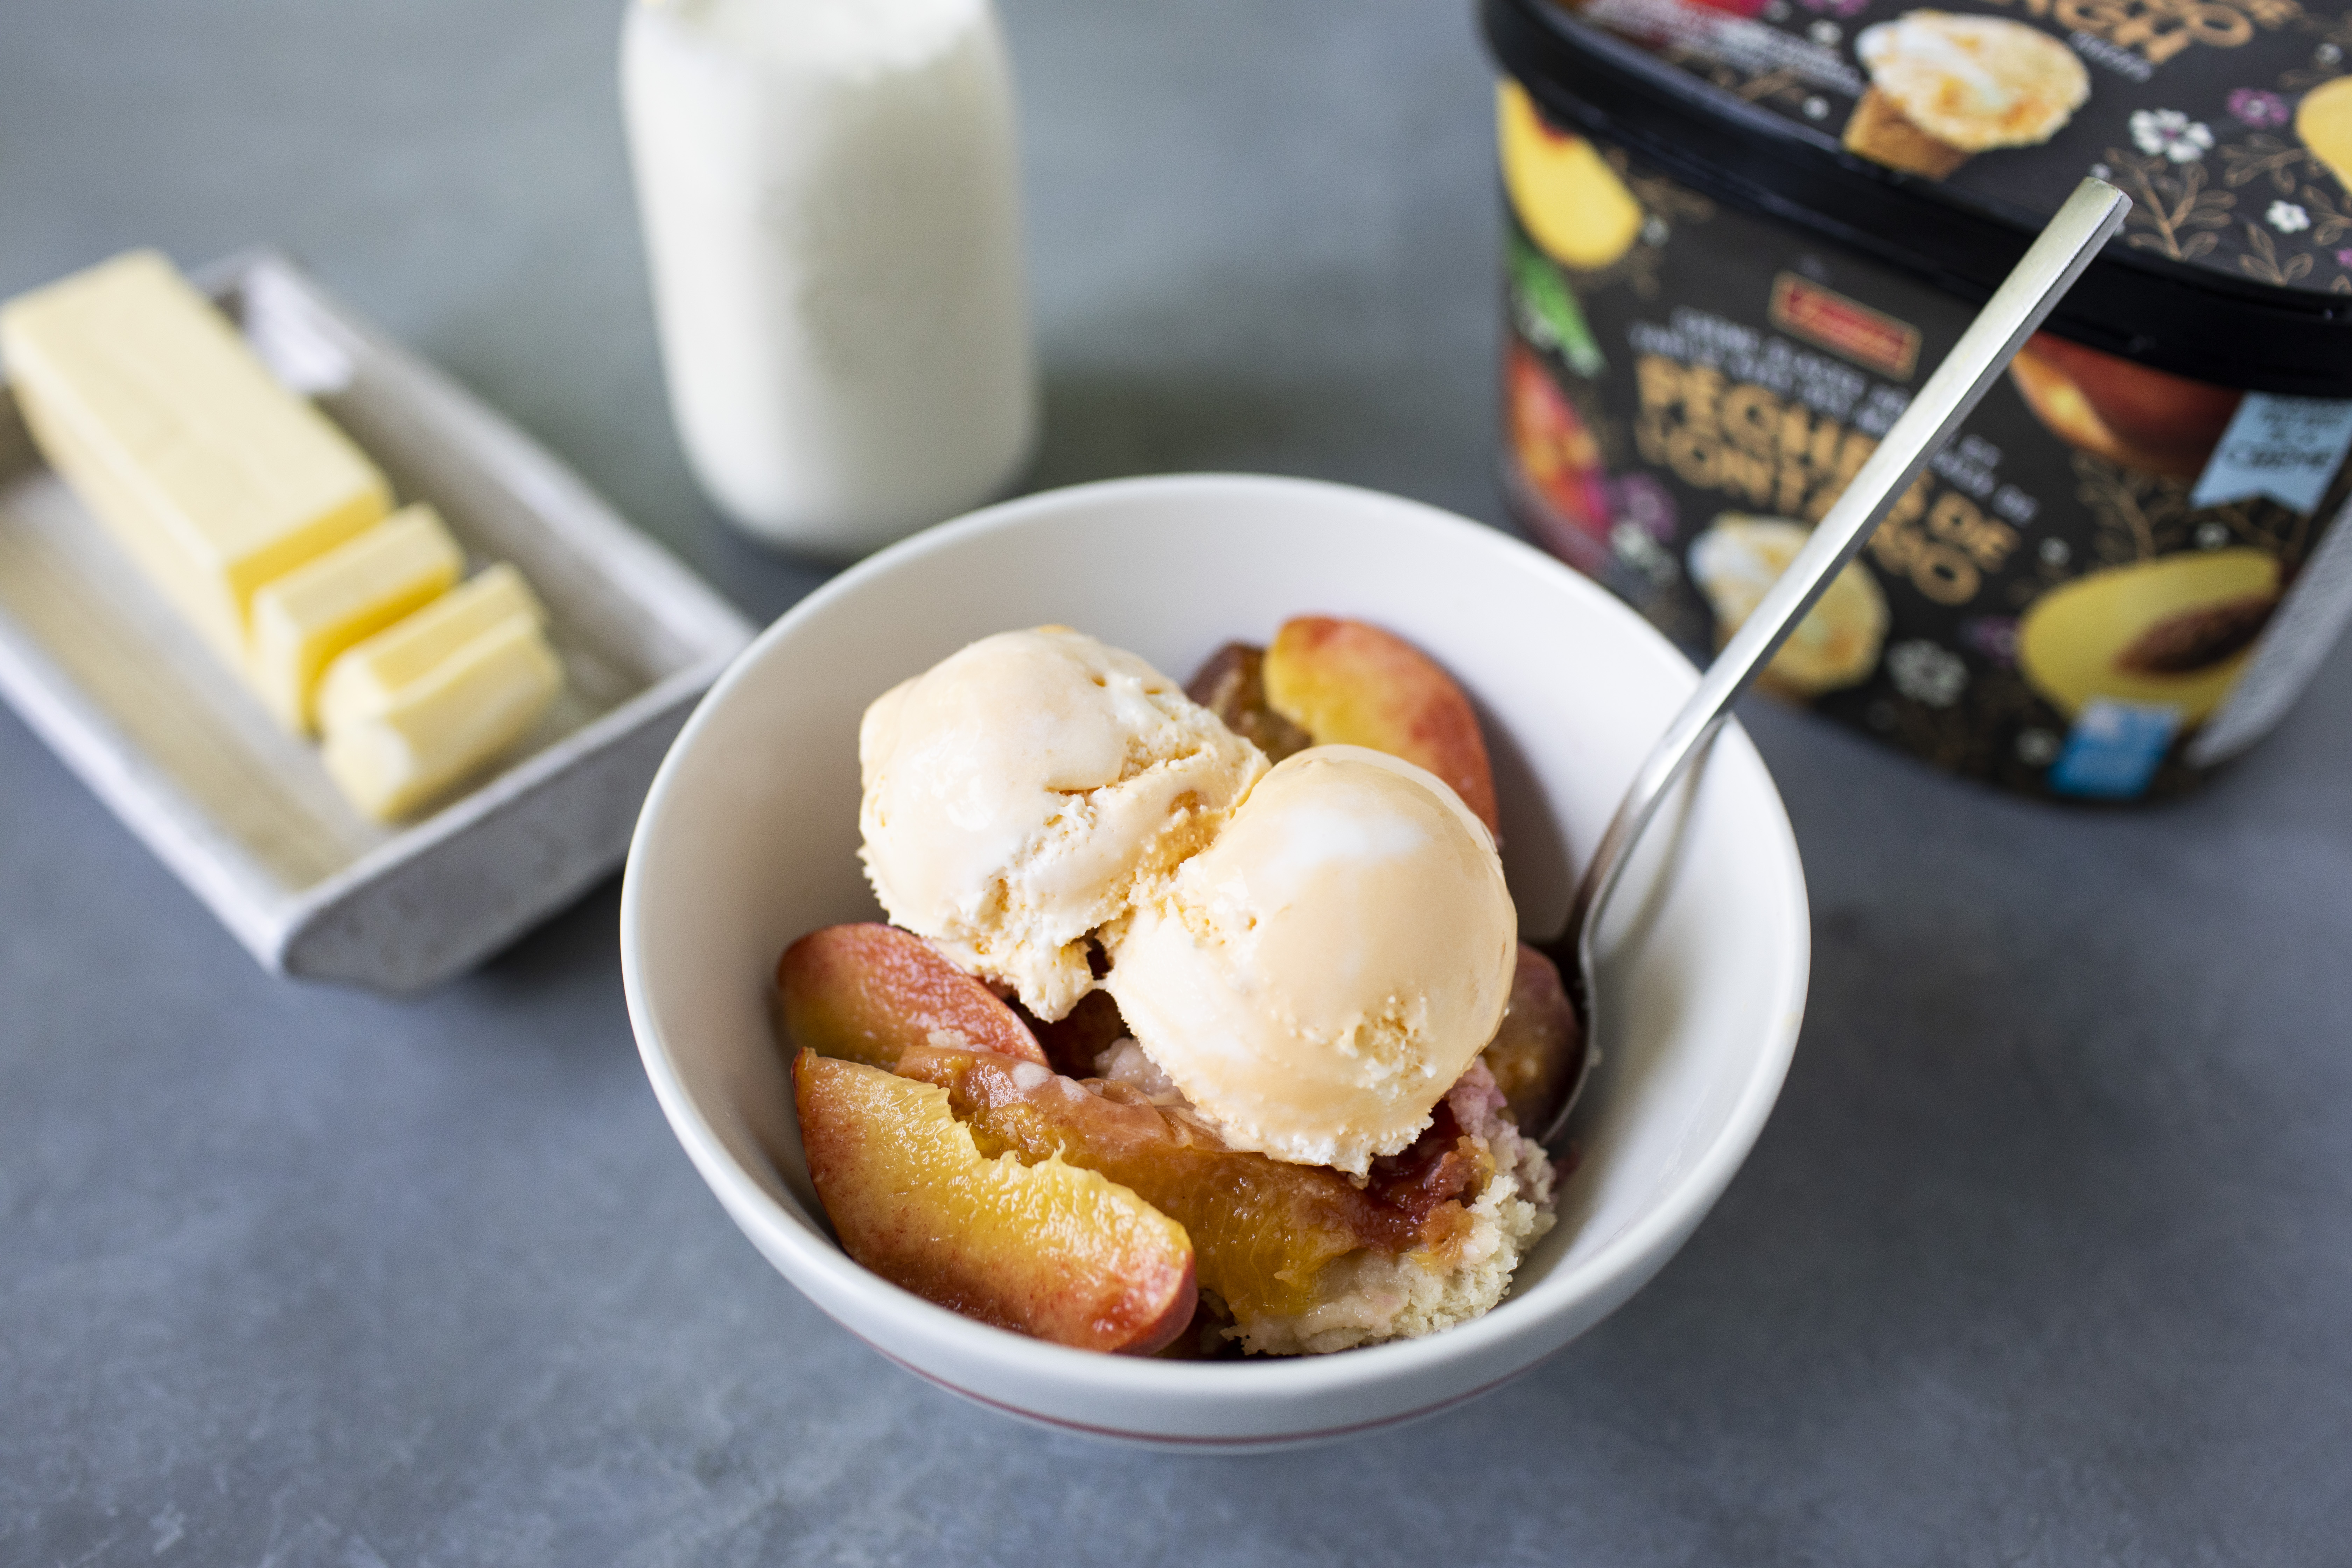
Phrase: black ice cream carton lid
(1939, 139)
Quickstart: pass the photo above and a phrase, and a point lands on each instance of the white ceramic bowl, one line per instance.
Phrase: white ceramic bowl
(750, 836)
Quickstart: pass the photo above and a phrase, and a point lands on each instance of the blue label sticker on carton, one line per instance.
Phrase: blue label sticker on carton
(2114, 749)
(2283, 447)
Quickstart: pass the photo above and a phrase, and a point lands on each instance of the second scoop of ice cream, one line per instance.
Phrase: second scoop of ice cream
(1319, 976)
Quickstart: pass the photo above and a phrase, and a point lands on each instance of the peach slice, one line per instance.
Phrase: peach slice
(1347, 683)
(1536, 1054)
(1043, 1248)
(1232, 685)
(866, 993)
(1262, 1229)
(2127, 413)
(1571, 201)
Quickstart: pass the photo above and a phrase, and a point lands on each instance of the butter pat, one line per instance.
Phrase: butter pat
(214, 477)
(369, 679)
(441, 727)
(305, 618)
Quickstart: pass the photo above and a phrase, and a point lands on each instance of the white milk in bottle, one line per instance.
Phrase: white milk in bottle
(832, 217)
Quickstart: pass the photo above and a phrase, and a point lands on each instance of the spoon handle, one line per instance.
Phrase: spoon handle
(2050, 268)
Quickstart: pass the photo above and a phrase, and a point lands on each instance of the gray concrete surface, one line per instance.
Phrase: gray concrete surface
(2046, 1257)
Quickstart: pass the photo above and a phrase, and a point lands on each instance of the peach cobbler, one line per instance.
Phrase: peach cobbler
(1203, 1026)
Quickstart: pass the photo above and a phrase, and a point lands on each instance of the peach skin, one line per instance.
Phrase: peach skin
(1045, 1248)
(1347, 683)
(866, 993)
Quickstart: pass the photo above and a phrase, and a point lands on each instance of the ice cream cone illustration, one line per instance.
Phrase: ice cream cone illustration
(1946, 88)
(1879, 132)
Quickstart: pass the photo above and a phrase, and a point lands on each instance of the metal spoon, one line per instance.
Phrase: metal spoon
(2050, 268)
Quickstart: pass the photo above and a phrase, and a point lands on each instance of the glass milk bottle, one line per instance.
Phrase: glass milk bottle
(831, 216)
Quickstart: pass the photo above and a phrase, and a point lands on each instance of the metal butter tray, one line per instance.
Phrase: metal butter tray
(172, 740)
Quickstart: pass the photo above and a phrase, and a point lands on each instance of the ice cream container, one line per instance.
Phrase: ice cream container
(1739, 237)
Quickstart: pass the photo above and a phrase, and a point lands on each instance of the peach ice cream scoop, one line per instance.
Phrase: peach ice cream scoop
(1027, 790)
(1319, 976)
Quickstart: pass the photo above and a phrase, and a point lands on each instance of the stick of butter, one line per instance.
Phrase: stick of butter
(437, 728)
(212, 475)
(305, 618)
(369, 679)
